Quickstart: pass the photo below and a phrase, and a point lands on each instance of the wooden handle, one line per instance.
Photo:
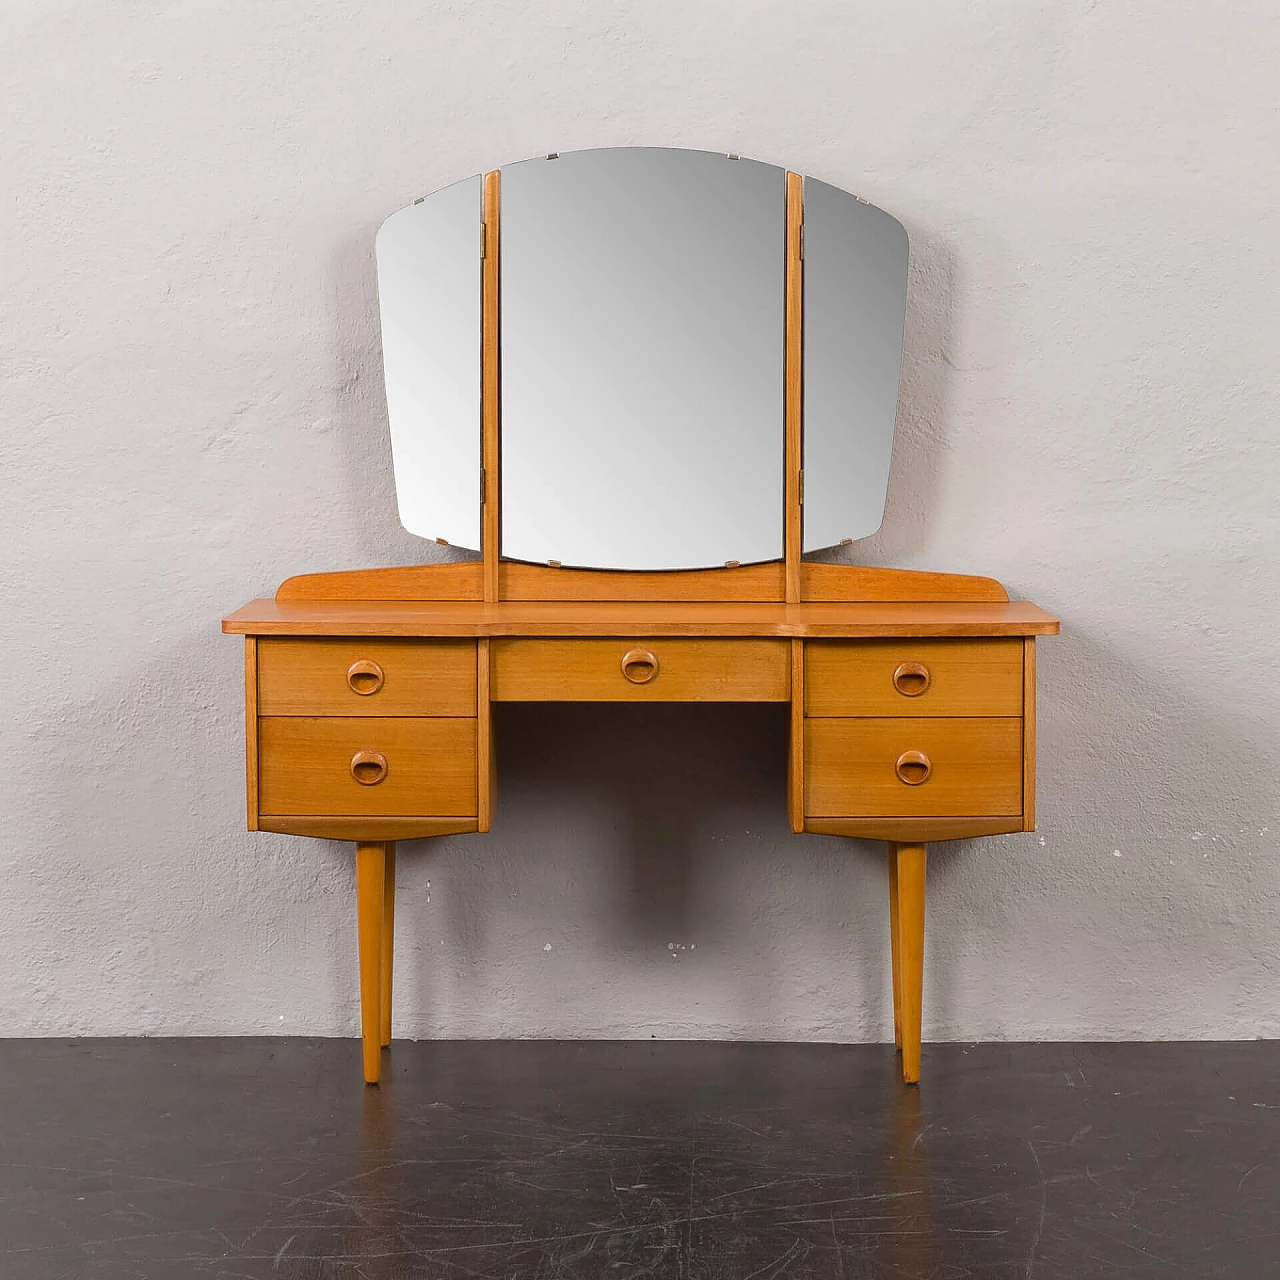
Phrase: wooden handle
(913, 768)
(911, 679)
(368, 768)
(365, 677)
(639, 665)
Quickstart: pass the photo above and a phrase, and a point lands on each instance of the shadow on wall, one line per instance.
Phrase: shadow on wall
(625, 831)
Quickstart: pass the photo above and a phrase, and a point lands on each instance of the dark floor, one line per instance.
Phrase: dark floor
(234, 1158)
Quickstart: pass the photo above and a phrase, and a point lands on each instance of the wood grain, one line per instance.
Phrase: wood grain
(370, 873)
(251, 730)
(753, 582)
(491, 387)
(1029, 734)
(864, 582)
(308, 677)
(622, 618)
(909, 884)
(486, 768)
(966, 677)
(378, 827)
(726, 670)
(925, 830)
(305, 766)
(849, 767)
(795, 744)
(388, 940)
(461, 580)
(895, 947)
(464, 580)
(793, 387)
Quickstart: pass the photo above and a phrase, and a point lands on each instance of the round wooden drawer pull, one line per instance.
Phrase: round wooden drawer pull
(639, 665)
(365, 677)
(912, 679)
(368, 768)
(913, 768)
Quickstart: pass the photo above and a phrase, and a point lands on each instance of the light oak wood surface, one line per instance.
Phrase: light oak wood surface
(371, 868)
(849, 767)
(378, 827)
(907, 888)
(845, 582)
(464, 581)
(959, 678)
(926, 830)
(793, 389)
(388, 939)
(1029, 734)
(312, 677)
(305, 766)
(491, 387)
(251, 729)
(815, 620)
(687, 670)
(895, 947)
(486, 748)
(795, 743)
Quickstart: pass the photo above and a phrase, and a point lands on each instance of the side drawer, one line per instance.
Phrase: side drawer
(917, 767)
(375, 766)
(352, 677)
(661, 670)
(959, 677)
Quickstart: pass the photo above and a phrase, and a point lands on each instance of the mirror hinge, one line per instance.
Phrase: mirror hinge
(802, 487)
(802, 242)
(484, 488)
(484, 239)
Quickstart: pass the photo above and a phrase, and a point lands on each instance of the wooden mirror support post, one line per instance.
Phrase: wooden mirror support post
(369, 694)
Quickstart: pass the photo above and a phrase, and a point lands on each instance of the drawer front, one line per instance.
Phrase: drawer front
(411, 767)
(344, 677)
(915, 768)
(662, 670)
(913, 677)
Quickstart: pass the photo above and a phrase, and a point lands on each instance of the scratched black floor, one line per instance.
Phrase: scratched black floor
(269, 1158)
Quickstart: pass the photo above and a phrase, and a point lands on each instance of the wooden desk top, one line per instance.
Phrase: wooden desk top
(810, 620)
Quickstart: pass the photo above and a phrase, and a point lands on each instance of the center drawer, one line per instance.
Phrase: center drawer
(640, 670)
(358, 766)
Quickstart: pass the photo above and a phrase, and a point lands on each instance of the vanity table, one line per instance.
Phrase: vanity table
(369, 694)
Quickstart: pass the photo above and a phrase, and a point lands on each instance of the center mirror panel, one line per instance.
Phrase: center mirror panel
(642, 313)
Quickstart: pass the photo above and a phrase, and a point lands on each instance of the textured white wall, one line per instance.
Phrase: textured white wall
(192, 411)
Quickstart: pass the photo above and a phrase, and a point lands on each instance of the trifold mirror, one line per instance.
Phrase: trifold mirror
(642, 324)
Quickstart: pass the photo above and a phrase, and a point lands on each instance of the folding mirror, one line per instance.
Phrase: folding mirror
(641, 328)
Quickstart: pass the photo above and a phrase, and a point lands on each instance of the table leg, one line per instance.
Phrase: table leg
(909, 865)
(895, 950)
(371, 867)
(388, 937)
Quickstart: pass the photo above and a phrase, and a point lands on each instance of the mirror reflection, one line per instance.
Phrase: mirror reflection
(855, 306)
(429, 296)
(642, 359)
(642, 328)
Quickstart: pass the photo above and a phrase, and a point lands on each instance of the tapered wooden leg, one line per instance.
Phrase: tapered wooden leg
(371, 867)
(388, 937)
(894, 947)
(909, 860)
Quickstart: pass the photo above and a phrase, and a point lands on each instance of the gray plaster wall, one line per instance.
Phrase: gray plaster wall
(192, 411)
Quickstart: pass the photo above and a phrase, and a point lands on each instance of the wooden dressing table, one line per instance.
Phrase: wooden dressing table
(369, 694)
